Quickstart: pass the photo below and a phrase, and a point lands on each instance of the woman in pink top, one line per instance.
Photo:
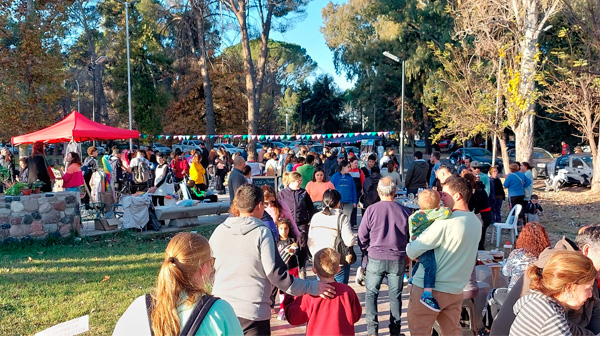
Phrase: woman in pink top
(73, 177)
(317, 187)
(278, 209)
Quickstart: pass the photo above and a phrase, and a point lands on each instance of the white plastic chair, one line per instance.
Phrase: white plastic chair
(511, 224)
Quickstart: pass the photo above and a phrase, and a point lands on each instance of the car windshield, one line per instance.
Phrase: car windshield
(589, 161)
(478, 152)
(229, 146)
(159, 145)
(541, 155)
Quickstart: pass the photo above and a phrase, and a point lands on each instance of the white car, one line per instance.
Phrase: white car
(229, 148)
(163, 149)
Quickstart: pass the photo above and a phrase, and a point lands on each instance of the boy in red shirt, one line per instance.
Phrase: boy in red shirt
(325, 317)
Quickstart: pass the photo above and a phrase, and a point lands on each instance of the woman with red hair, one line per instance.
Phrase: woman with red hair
(532, 240)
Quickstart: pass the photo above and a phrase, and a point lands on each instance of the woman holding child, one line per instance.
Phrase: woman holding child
(182, 289)
(324, 229)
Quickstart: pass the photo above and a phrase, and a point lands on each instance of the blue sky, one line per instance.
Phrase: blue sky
(306, 34)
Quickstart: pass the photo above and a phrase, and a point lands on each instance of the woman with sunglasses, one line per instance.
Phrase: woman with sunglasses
(183, 287)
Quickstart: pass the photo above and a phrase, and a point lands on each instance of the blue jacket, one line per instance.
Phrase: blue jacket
(516, 183)
(344, 183)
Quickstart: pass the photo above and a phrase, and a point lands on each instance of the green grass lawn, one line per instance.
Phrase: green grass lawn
(43, 284)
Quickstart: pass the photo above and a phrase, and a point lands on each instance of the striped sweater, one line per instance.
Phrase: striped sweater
(539, 315)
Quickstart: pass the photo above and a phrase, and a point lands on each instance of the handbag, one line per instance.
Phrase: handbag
(341, 247)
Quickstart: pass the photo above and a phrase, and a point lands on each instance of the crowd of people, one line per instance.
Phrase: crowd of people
(229, 285)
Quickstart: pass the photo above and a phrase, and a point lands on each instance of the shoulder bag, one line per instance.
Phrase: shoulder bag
(341, 247)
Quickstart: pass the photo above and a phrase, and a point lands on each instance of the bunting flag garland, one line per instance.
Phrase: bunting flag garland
(330, 137)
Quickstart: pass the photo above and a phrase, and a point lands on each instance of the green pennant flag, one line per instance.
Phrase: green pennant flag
(329, 135)
(159, 136)
(350, 135)
(144, 136)
(244, 137)
(262, 137)
(373, 133)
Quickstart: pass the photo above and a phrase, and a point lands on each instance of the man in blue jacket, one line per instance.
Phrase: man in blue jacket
(383, 233)
(344, 183)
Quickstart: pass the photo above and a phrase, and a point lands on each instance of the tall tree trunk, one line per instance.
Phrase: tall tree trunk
(250, 79)
(99, 96)
(199, 12)
(264, 53)
(526, 88)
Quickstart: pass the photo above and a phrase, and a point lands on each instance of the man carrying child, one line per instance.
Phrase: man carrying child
(325, 317)
(429, 201)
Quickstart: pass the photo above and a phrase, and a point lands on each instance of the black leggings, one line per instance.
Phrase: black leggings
(158, 200)
(519, 200)
(486, 219)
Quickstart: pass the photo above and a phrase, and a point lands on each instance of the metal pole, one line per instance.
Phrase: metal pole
(94, 99)
(402, 128)
(78, 107)
(287, 123)
(128, 69)
(497, 109)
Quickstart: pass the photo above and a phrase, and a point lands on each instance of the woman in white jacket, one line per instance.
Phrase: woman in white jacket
(324, 230)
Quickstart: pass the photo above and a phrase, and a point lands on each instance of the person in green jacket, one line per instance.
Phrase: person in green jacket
(307, 170)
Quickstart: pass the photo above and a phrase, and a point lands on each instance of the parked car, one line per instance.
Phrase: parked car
(229, 148)
(419, 143)
(580, 168)
(540, 158)
(187, 145)
(350, 148)
(318, 149)
(163, 149)
(476, 154)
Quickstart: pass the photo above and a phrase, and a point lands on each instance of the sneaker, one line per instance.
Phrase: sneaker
(281, 315)
(360, 276)
(430, 303)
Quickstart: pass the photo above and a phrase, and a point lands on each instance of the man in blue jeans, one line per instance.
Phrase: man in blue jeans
(383, 233)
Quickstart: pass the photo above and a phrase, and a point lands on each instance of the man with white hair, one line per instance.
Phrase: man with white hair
(383, 233)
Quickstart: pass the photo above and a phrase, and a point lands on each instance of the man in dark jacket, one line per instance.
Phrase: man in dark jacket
(383, 233)
(370, 187)
(330, 162)
(416, 177)
(583, 322)
(371, 162)
(236, 177)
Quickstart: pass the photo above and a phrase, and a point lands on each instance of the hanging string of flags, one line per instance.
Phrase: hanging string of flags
(385, 134)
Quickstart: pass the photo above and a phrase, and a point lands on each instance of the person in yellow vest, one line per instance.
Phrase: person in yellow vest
(197, 171)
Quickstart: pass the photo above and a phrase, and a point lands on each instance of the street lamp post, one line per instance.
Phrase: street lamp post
(126, 3)
(301, 104)
(78, 107)
(401, 150)
(92, 68)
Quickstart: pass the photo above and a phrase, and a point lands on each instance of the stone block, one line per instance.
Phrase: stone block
(5, 226)
(70, 199)
(65, 230)
(16, 206)
(16, 221)
(31, 205)
(69, 211)
(17, 231)
(43, 201)
(27, 219)
(41, 236)
(66, 220)
(59, 205)
(185, 222)
(36, 215)
(50, 228)
(4, 212)
(51, 217)
(62, 214)
(49, 195)
(37, 229)
(16, 198)
(8, 199)
(45, 208)
(4, 233)
(52, 199)
(4, 219)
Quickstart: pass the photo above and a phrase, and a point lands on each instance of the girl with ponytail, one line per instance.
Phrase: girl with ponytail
(324, 230)
(184, 283)
(565, 283)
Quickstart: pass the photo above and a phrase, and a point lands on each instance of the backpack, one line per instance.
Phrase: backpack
(116, 168)
(194, 321)
(141, 172)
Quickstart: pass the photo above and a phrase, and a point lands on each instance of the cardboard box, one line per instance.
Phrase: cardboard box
(106, 224)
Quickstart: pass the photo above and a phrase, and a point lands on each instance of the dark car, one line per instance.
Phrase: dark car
(579, 165)
(540, 158)
(476, 154)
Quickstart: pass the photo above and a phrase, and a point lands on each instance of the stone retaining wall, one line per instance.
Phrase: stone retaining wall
(39, 215)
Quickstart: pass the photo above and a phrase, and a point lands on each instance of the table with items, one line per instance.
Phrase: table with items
(489, 268)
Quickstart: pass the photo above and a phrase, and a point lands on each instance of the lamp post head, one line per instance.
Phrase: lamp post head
(100, 60)
(307, 100)
(391, 56)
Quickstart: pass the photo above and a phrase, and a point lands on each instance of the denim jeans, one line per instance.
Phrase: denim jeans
(497, 211)
(376, 271)
(353, 221)
(427, 259)
(344, 275)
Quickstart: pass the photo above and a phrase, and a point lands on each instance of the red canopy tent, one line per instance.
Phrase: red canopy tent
(75, 127)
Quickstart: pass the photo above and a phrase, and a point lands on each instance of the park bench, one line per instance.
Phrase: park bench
(180, 216)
